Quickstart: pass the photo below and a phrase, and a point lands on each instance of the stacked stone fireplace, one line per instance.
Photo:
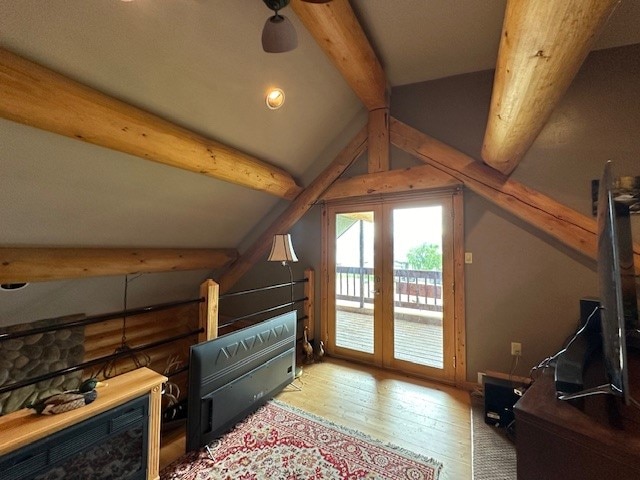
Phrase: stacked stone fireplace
(37, 354)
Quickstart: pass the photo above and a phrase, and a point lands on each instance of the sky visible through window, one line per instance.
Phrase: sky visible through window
(412, 227)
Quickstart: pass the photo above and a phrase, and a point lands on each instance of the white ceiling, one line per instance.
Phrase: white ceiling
(199, 63)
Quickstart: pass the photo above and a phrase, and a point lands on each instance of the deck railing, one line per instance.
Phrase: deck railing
(418, 289)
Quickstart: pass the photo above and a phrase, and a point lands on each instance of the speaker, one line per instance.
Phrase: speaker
(499, 399)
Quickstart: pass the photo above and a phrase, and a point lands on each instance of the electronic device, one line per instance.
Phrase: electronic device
(500, 395)
(619, 322)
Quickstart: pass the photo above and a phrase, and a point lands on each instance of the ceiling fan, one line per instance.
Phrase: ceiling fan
(278, 34)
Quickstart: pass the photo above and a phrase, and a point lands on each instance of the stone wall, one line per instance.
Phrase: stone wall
(33, 355)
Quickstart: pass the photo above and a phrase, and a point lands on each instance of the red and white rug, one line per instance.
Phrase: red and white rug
(280, 442)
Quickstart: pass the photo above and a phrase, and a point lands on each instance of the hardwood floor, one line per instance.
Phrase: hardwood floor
(424, 417)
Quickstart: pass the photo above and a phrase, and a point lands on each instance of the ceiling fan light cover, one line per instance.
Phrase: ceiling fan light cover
(279, 35)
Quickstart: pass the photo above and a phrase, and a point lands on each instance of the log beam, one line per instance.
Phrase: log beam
(406, 180)
(36, 96)
(542, 47)
(379, 140)
(573, 229)
(295, 211)
(19, 265)
(338, 32)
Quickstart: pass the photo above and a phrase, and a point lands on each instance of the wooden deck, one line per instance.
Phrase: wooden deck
(417, 338)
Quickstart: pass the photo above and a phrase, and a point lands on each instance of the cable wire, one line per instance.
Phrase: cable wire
(547, 361)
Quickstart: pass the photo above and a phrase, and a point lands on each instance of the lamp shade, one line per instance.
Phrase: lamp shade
(282, 250)
(279, 35)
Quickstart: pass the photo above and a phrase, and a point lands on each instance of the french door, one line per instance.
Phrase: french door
(390, 278)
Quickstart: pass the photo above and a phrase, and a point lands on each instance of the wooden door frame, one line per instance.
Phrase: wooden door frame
(460, 363)
(329, 281)
(447, 373)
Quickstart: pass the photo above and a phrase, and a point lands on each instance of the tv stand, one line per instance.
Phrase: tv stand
(594, 438)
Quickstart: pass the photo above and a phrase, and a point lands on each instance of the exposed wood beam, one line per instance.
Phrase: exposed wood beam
(379, 140)
(39, 97)
(575, 230)
(338, 32)
(542, 47)
(295, 211)
(406, 180)
(44, 264)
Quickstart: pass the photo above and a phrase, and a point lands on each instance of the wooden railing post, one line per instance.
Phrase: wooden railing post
(309, 308)
(208, 319)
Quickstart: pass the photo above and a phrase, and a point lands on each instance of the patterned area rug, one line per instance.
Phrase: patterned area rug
(280, 442)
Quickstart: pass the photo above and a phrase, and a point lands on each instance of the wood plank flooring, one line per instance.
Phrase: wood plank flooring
(421, 416)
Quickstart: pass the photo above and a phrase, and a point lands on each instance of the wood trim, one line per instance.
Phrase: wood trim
(23, 427)
(459, 289)
(325, 286)
(384, 302)
(295, 211)
(39, 97)
(469, 386)
(542, 47)
(373, 212)
(309, 304)
(378, 140)
(208, 317)
(338, 32)
(45, 264)
(573, 229)
(155, 414)
(410, 179)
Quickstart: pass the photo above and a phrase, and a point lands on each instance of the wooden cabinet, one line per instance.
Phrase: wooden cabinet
(596, 438)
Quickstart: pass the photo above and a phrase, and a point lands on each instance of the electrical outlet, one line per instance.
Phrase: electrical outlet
(516, 349)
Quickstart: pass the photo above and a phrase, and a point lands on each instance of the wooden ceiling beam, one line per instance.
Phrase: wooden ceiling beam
(18, 265)
(542, 47)
(295, 211)
(36, 96)
(573, 229)
(338, 32)
(410, 179)
(379, 147)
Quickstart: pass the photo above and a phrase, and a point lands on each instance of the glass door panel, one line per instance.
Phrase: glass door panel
(417, 285)
(389, 267)
(355, 286)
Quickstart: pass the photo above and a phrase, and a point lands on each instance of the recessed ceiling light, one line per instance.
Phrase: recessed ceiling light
(275, 98)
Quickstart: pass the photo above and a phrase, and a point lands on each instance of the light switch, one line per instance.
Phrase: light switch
(468, 257)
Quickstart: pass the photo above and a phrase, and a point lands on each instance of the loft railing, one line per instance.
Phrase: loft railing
(418, 289)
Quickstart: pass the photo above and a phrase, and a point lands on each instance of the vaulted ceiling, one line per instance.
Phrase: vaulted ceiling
(199, 65)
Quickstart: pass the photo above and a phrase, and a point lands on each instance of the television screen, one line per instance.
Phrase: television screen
(616, 283)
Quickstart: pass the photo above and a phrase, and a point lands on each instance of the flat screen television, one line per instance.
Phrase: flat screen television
(619, 324)
(616, 285)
